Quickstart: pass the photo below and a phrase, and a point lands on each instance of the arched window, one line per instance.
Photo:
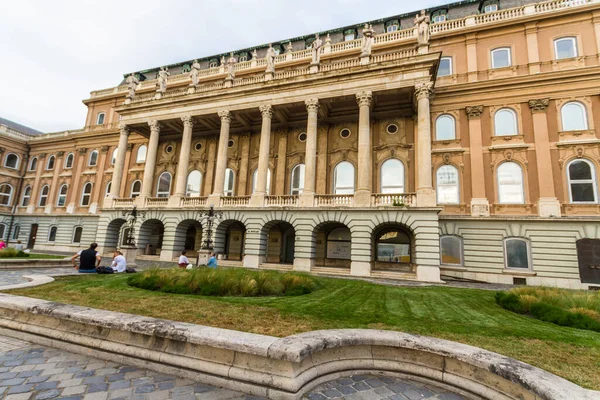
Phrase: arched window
(343, 178)
(451, 250)
(6, 192)
(163, 189)
(141, 154)
(349, 34)
(194, 183)
(448, 191)
(69, 161)
(393, 246)
(2, 231)
(77, 232)
(93, 160)
(100, 119)
(565, 48)
(255, 180)
(392, 176)
(107, 189)
(33, 164)
(16, 231)
(489, 6)
(505, 122)
(574, 116)
(297, 185)
(392, 25)
(445, 127)
(136, 189)
(113, 159)
(229, 182)
(439, 16)
(86, 194)
(62, 196)
(510, 184)
(52, 233)
(339, 243)
(501, 58)
(582, 181)
(445, 68)
(50, 163)
(44, 195)
(26, 196)
(516, 253)
(11, 161)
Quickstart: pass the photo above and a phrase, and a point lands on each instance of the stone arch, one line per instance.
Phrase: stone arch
(230, 238)
(392, 246)
(151, 234)
(277, 242)
(188, 236)
(112, 238)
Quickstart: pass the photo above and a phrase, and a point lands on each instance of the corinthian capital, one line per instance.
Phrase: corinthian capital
(154, 125)
(312, 105)
(188, 121)
(124, 129)
(364, 98)
(540, 105)
(423, 90)
(225, 116)
(266, 110)
(474, 112)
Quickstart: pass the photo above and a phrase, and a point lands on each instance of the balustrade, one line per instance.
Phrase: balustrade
(193, 201)
(397, 199)
(282, 200)
(157, 201)
(500, 15)
(558, 5)
(123, 203)
(333, 200)
(235, 201)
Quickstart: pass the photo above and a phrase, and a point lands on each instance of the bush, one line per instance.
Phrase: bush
(223, 282)
(9, 252)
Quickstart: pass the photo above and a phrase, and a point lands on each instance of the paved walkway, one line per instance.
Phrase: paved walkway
(15, 276)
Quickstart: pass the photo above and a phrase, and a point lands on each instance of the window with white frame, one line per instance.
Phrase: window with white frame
(445, 68)
(228, 184)
(501, 58)
(26, 196)
(52, 233)
(574, 116)
(581, 176)
(77, 232)
(33, 164)
(393, 27)
(565, 48)
(16, 232)
(505, 122)
(44, 196)
(115, 153)
(343, 178)
(445, 127)
(163, 189)
(516, 253)
(69, 161)
(447, 187)
(297, 181)
(93, 159)
(451, 250)
(100, 118)
(510, 183)
(392, 176)
(86, 194)
(107, 188)
(255, 180)
(50, 163)
(213, 63)
(194, 183)
(439, 16)
(349, 34)
(488, 8)
(62, 196)
(141, 154)
(11, 161)
(136, 189)
(6, 192)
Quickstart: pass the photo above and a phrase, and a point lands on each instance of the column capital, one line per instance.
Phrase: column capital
(474, 112)
(124, 129)
(266, 110)
(225, 115)
(104, 149)
(312, 105)
(540, 105)
(41, 156)
(188, 121)
(154, 125)
(423, 90)
(60, 153)
(82, 150)
(364, 98)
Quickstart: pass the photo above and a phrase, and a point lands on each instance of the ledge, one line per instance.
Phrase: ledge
(507, 271)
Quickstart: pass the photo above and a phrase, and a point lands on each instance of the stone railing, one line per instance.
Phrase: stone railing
(156, 201)
(557, 5)
(193, 201)
(499, 15)
(123, 203)
(334, 200)
(234, 201)
(290, 201)
(398, 200)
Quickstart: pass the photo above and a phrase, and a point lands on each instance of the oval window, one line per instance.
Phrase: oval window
(302, 137)
(345, 133)
(198, 146)
(392, 129)
(169, 149)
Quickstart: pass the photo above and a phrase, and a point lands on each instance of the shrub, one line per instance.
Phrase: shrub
(9, 252)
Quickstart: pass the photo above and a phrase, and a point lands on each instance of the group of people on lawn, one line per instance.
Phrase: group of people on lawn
(90, 259)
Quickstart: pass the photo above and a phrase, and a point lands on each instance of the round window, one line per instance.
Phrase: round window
(392, 129)
(345, 133)
(198, 146)
(169, 149)
(302, 137)
(230, 143)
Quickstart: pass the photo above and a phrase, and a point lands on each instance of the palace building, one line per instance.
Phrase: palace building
(457, 142)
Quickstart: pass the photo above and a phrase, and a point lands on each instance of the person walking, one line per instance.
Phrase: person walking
(119, 263)
(183, 260)
(212, 261)
(89, 260)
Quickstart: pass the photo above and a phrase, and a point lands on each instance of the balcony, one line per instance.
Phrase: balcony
(192, 202)
(395, 200)
(282, 201)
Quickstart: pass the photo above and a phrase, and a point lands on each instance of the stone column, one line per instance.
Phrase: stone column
(215, 197)
(425, 193)
(362, 197)
(258, 197)
(307, 198)
(548, 204)
(210, 165)
(54, 186)
(278, 185)
(184, 161)
(480, 206)
(242, 176)
(99, 186)
(150, 165)
(115, 186)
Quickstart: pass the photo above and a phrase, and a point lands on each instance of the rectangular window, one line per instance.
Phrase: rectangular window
(348, 37)
(501, 58)
(52, 234)
(445, 68)
(565, 48)
(451, 250)
(100, 119)
(516, 253)
(490, 8)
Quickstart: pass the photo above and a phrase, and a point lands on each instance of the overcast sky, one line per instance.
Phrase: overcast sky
(54, 52)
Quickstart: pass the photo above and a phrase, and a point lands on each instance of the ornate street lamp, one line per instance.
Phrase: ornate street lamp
(209, 216)
(131, 218)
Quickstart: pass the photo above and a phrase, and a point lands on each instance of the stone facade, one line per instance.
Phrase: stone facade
(471, 132)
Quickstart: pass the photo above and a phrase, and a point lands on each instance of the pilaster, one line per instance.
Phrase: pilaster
(480, 205)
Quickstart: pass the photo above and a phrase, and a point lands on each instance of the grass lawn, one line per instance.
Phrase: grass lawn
(465, 315)
(33, 256)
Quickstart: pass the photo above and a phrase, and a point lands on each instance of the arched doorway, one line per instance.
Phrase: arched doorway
(333, 244)
(188, 236)
(588, 257)
(112, 237)
(281, 240)
(229, 241)
(150, 240)
(393, 248)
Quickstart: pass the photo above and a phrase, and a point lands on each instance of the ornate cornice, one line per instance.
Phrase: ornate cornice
(364, 98)
(154, 125)
(423, 90)
(225, 116)
(312, 105)
(474, 112)
(266, 110)
(540, 105)
(188, 121)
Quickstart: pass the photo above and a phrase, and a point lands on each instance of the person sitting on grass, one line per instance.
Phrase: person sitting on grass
(183, 260)
(89, 260)
(212, 261)
(119, 263)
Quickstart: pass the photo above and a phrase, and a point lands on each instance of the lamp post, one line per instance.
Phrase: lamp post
(210, 217)
(130, 248)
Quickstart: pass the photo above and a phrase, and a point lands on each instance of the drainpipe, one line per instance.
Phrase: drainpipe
(18, 195)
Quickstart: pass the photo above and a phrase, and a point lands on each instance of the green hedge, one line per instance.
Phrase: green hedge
(547, 312)
(9, 252)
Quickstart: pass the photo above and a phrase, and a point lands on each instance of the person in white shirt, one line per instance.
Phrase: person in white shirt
(119, 263)
(183, 260)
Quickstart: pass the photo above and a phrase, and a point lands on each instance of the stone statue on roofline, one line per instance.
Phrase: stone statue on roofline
(316, 50)
(231, 67)
(422, 22)
(194, 72)
(368, 39)
(254, 54)
(162, 77)
(270, 57)
(132, 83)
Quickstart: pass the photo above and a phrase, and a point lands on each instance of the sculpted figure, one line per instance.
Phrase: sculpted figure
(194, 72)
(316, 50)
(289, 48)
(422, 22)
(368, 40)
(254, 54)
(163, 74)
(270, 56)
(132, 83)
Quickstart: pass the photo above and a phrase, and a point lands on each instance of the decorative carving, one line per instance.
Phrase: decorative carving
(423, 90)
(41, 155)
(154, 125)
(364, 98)
(2, 150)
(289, 48)
(194, 73)
(124, 129)
(161, 84)
(104, 149)
(446, 158)
(312, 105)
(230, 67)
(422, 22)
(129, 146)
(579, 151)
(60, 153)
(474, 112)
(316, 50)
(132, 83)
(368, 39)
(270, 57)
(225, 116)
(266, 110)
(188, 121)
(540, 105)
(82, 150)
(254, 54)
(508, 154)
